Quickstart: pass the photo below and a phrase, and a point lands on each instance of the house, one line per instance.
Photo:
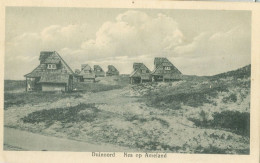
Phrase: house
(77, 71)
(52, 74)
(164, 70)
(99, 72)
(140, 74)
(86, 74)
(112, 71)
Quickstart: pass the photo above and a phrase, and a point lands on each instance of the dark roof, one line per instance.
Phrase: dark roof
(49, 57)
(85, 67)
(138, 71)
(77, 71)
(97, 67)
(111, 68)
(159, 60)
(54, 78)
(52, 60)
(44, 55)
(87, 75)
(163, 62)
(137, 65)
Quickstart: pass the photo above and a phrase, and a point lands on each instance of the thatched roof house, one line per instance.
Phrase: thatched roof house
(52, 74)
(77, 71)
(140, 74)
(99, 72)
(86, 74)
(165, 71)
(112, 71)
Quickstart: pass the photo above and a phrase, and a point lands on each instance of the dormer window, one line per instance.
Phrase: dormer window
(167, 68)
(51, 66)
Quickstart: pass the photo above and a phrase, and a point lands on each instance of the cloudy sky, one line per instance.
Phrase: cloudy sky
(198, 42)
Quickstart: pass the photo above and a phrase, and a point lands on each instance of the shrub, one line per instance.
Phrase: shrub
(194, 98)
(33, 98)
(230, 98)
(63, 115)
(234, 121)
(95, 87)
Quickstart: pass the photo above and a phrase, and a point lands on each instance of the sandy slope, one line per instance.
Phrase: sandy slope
(125, 121)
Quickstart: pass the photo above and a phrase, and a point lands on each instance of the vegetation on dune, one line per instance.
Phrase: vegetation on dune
(81, 112)
(171, 97)
(241, 73)
(95, 87)
(188, 116)
(233, 121)
(103, 84)
(34, 98)
(10, 85)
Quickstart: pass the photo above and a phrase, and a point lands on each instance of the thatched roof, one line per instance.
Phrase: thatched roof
(77, 71)
(160, 63)
(159, 60)
(97, 67)
(138, 71)
(52, 57)
(87, 72)
(111, 68)
(137, 65)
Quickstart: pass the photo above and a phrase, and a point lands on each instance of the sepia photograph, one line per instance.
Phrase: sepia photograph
(83, 79)
(129, 82)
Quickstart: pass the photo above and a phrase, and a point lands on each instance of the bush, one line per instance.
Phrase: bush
(33, 98)
(95, 87)
(230, 98)
(63, 115)
(194, 98)
(234, 121)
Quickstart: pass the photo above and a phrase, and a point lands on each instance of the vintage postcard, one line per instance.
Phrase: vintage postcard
(129, 81)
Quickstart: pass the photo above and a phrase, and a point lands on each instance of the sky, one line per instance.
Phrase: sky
(197, 42)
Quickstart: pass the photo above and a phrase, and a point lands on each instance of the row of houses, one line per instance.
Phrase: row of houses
(86, 73)
(54, 74)
(164, 70)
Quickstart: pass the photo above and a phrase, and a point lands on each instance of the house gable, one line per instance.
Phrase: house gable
(164, 66)
(140, 70)
(87, 72)
(50, 62)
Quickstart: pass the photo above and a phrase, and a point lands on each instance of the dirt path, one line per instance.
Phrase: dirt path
(36, 142)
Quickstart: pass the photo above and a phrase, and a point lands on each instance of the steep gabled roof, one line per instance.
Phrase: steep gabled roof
(77, 71)
(163, 62)
(159, 60)
(49, 57)
(87, 75)
(138, 71)
(66, 65)
(111, 68)
(97, 67)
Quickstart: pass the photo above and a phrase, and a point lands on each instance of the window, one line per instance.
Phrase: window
(167, 68)
(51, 66)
